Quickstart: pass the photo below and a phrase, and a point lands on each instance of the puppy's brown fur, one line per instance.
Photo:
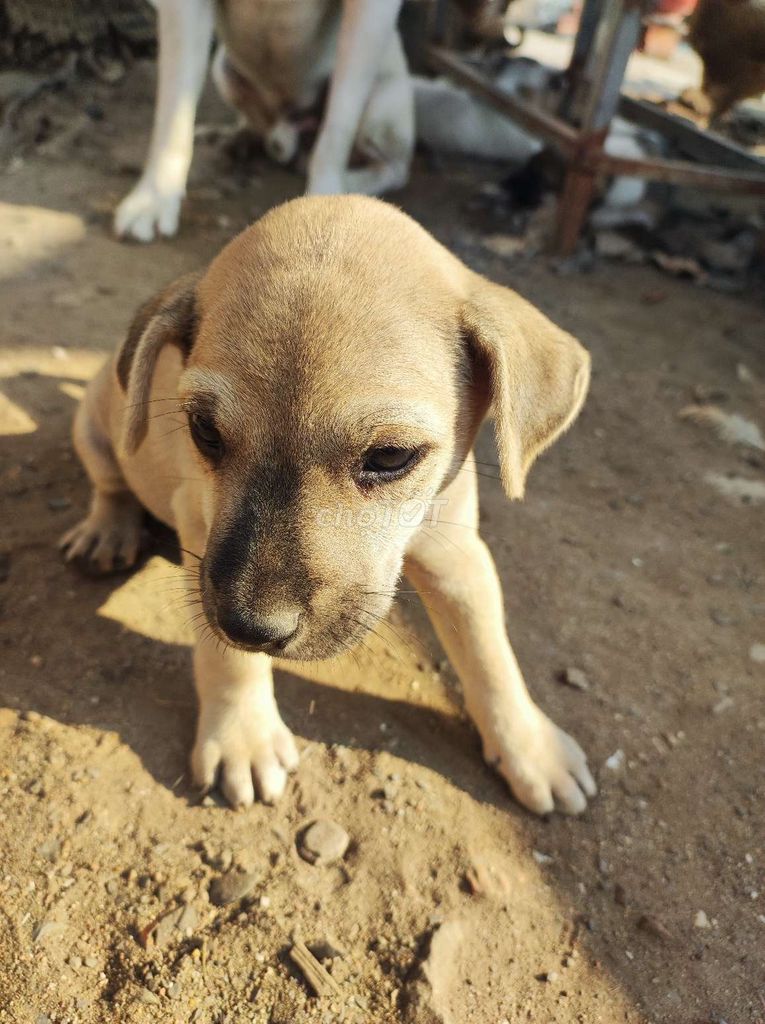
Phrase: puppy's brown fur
(330, 331)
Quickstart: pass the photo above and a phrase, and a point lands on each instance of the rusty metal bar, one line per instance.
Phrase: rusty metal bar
(538, 122)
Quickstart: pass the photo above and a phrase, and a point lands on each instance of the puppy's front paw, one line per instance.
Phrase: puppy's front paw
(544, 766)
(146, 212)
(108, 540)
(243, 748)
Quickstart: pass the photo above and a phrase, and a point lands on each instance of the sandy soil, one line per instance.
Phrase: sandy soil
(624, 561)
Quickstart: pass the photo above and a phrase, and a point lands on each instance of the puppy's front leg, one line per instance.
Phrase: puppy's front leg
(457, 581)
(241, 737)
(365, 31)
(185, 35)
(241, 741)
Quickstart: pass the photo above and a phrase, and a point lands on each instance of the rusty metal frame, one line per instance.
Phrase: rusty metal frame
(609, 31)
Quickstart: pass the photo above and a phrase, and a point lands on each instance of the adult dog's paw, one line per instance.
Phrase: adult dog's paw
(545, 768)
(244, 750)
(146, 213)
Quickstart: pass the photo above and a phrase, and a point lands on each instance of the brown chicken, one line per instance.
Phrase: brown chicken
(729, 36)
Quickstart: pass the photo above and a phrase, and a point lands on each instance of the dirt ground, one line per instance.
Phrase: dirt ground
(624, 561)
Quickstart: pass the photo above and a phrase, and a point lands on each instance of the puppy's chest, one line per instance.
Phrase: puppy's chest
(280, 41)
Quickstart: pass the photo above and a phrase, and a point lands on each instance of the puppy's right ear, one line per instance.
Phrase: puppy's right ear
(168, 318)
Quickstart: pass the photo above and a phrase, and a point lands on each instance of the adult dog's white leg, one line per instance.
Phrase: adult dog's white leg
(457, 581)
(386, 134)
(185, 35)
(365, 32)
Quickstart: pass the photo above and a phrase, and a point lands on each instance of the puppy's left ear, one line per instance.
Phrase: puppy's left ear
(168, 318)
(536, 375)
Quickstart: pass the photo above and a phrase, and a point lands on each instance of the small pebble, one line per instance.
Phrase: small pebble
(234, 885)
(146, 996)
(188, 919)
(59, 504)
(323, 842)
(701, 920)
(615, 761)
(722, 705)
(757, 653)
(652, 926)
(547, 976)
(575, 678)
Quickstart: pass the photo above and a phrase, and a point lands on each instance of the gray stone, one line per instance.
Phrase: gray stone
(426, 999)
(232, 886)
(575, 678)
(323, 842)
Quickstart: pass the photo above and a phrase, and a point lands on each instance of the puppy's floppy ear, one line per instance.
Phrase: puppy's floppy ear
(536, 375)
(168, 318)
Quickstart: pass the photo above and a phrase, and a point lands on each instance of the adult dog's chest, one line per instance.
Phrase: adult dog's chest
(282, 42)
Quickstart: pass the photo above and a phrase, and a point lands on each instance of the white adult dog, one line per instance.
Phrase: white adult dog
(273, 63)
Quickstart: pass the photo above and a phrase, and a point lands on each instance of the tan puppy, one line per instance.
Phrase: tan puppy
(328, 374)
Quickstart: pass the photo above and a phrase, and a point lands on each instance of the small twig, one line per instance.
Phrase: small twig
(317, 976)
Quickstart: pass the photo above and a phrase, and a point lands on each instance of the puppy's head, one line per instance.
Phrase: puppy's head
(339, 362)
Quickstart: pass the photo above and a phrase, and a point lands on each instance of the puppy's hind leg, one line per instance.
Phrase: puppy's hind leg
(107, 540)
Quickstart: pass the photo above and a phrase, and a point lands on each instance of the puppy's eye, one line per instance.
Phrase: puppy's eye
(205, 434)
(388, 463)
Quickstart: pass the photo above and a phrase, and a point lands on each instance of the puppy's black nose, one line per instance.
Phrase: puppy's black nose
(265, 631)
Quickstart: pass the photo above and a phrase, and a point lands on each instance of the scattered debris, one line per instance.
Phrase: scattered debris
(547, 976)
(59, 504)
(731, 257)
(232, 886)
(575, 678)
(314, 972)
(612, 245)
(145, 995)
(729, 426)
(653, 926)
(47, 930)
(484, 879)
(504, 245)
(615, 761)
(679, 266)
(323, 842)
(723, 705)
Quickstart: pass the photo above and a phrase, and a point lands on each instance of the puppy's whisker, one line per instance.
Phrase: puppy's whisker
(167, 412)
(382, 622)
(478, 472)
(173, 431)
(192, 553)
(444, 537)
(151, 401)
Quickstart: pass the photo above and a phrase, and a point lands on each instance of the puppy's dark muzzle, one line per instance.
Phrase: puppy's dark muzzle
(267, 632)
